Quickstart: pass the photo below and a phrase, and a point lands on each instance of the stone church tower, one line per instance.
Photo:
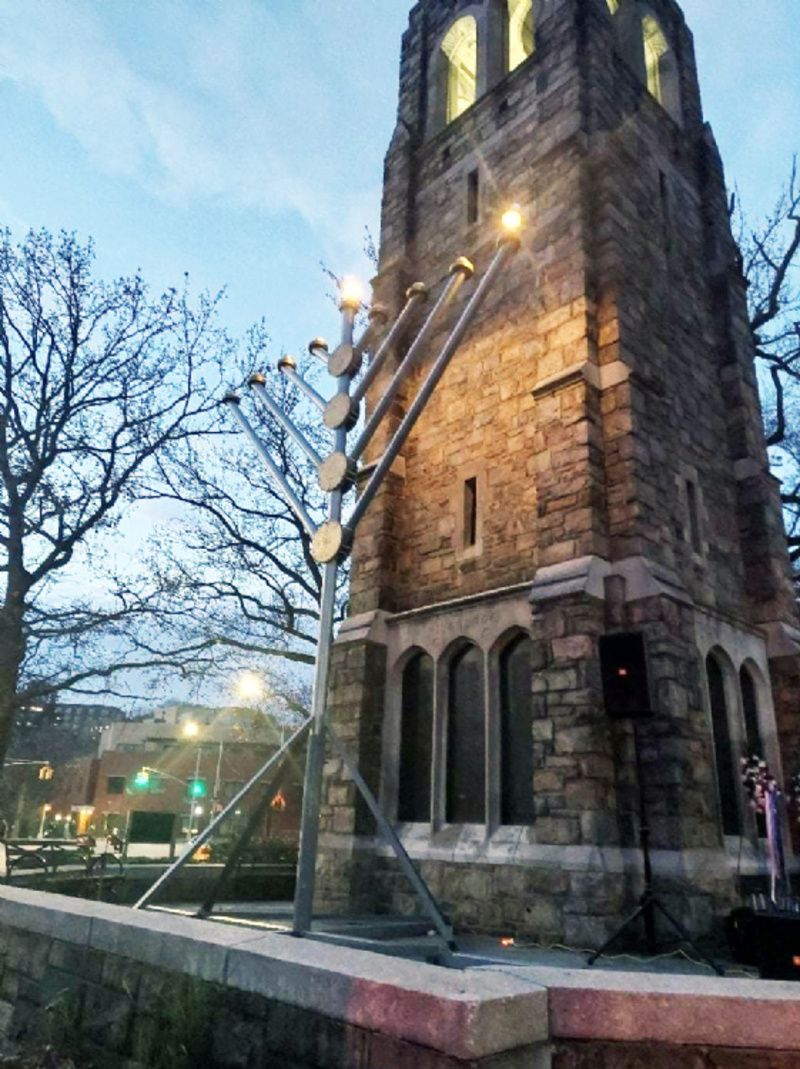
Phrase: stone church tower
(592, 464)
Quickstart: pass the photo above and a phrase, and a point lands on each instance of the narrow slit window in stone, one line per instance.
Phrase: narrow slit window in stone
(693, 507)
(473, 197)
(470, 512)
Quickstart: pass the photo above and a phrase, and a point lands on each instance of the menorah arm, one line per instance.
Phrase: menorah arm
(460, 271)
(295, 504)
(288, 368)
(275, 410)
(414, 296)
(506, 250)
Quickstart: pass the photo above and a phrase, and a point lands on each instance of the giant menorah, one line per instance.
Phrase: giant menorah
(331, 541)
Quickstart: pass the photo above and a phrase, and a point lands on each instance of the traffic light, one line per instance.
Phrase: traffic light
(141, 781)
(196, 788)
(46, 772)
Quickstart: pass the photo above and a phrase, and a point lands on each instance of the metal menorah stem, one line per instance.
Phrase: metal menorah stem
(332, 541)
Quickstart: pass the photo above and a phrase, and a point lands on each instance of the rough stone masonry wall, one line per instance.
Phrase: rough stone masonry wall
(534, 325)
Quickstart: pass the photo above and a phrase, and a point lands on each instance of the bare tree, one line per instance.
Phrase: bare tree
(240, 564)
(771, 261)
(246, 587)
(96, 381)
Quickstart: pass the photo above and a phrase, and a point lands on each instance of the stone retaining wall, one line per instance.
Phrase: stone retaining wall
(137, 983)
(144, 989)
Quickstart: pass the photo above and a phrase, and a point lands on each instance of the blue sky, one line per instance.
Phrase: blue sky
(242, 140)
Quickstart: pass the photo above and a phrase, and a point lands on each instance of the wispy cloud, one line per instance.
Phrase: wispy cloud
(198, 100)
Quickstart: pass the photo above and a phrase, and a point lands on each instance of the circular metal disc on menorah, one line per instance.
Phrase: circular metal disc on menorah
(344, 361)
(340, 412)
(328, 542)
(334, 473)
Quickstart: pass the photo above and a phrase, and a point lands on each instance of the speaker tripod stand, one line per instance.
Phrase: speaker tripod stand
(649, 902)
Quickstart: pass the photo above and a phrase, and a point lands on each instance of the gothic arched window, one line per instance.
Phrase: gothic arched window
(466, 739)
(727, 772)
(520, 32)
(460, 49)
(750, 711)
(416, 739)
(516, 733)
(656, 49)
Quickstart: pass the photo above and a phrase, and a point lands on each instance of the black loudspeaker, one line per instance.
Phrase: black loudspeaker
(623, 663)
(778, 945)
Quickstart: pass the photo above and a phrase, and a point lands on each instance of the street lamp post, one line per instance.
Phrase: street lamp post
(46, 808)
(192, 799)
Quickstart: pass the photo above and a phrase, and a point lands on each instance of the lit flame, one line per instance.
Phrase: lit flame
(512, 220)
(351, 292)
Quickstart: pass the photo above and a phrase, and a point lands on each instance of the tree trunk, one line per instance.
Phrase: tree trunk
(12, 653)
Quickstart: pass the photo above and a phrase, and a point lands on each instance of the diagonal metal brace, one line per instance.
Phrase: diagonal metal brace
(428, 902)
(208, 832)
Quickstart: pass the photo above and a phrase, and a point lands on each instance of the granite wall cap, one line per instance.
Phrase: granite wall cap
(463, 1014)
(635, 1007)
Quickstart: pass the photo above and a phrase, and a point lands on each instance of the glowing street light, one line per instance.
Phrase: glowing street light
(191, 729)
(250, 687)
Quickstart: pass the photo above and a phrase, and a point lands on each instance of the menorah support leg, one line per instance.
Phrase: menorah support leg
(421, 889)
(255, 821)
(312, 789)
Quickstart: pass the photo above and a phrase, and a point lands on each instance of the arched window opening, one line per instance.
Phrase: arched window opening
(466, 740)
(752, 731)
(460, 48)
(656, 49)
(520, 32)
(516, 733)
(416, 740)
(727, 773)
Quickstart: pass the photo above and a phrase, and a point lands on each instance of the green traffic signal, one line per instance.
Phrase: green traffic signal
(141, 780)
(197, 788)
